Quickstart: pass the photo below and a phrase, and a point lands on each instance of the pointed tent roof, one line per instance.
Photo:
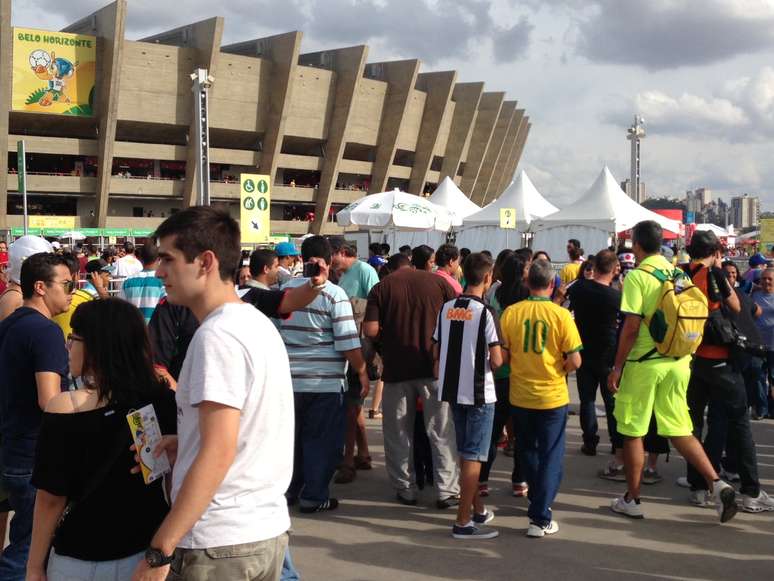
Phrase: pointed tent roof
(448, 195)
(607, 207)
(521, 194)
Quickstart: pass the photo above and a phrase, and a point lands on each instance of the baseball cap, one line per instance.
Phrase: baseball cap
(21, 250)
(286, 249)
(626, 259)
(667, 252)
(757, 260)
(98, 265)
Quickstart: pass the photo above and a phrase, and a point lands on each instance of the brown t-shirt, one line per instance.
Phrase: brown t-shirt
(406, 305)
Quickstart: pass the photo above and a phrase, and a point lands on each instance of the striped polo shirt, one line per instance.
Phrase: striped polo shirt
(315, 338)
(466, 329)
(144, 290)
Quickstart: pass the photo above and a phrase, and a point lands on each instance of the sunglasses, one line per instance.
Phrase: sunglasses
(68, 285)
(72, 339)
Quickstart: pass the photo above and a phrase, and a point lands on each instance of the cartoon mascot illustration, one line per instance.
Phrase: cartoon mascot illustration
(57, 71)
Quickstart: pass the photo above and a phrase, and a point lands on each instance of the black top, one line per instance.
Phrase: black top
(29, 343)
(596, 307)
(172, 327)
(120, 516)
(745, 319)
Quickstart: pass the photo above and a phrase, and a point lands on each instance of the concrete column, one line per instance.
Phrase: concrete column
(401, 77)
(496, 143)
(6, 83)
(108, 25)
(204, 36)
(520, 143)
(500, 179)
(466, 97)
(486, 119)
(439, 87)
(348, 63)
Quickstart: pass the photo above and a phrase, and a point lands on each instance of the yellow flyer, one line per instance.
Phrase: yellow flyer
(146, 433)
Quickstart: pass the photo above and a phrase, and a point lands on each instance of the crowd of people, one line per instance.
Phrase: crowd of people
(259, 366)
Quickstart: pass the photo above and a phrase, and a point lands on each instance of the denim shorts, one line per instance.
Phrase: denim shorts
(66, 568)
(473, 427)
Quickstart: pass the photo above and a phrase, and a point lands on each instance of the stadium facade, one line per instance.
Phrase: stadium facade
(106, 124)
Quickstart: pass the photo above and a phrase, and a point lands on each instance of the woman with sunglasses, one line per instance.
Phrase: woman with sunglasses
(82, 467)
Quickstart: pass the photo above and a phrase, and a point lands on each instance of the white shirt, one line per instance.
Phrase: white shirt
(237, 358)
(127, 266)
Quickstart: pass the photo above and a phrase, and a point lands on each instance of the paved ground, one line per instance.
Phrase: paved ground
(371, 537)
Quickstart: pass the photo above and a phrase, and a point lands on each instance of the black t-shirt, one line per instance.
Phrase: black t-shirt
(596, 307)
(120, 516)
(29, 343)
(172, 327)
(745, 319)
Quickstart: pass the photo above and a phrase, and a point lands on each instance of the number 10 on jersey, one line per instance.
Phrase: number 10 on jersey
(535, 336)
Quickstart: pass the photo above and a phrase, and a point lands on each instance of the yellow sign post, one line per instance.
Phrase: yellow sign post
(508, 218)
(767, 235)
(53, 72)
(254, 208)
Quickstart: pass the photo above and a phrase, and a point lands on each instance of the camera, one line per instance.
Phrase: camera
(311, 269)
(753, 349)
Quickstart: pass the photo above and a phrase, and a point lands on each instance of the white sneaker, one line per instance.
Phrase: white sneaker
(535, 531)
(724, 496)
(682, 482)
(700, 498)
(761, 503)
(628, 508)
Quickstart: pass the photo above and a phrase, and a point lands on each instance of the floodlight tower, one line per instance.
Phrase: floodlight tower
(635, 134)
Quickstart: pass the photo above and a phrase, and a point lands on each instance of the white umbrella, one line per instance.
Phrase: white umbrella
(73, 235)
(395, 209)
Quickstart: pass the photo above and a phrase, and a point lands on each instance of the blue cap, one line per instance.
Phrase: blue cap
(757, 260)
(286, 249)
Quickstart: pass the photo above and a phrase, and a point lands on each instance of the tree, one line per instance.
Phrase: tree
(664, 203)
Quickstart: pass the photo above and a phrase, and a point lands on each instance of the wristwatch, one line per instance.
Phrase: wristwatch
(156, 558)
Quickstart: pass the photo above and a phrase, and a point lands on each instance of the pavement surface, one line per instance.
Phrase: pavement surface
(372, 537)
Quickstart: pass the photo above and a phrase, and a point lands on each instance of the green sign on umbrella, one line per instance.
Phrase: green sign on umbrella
(90, 231)
(20, 231)
(115, 232)
(142, 232)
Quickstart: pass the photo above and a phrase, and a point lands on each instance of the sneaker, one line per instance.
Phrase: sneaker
(682, 482)
(724, 496)
(448, 502)
(761, 503)
(535, 531)
(630, 508)
(588, 450)
(408, 501)
(330, 504)
(651, 476)
(470, 531)
(485, 518)
(520, 489)
(613, 472)
(483, 490)
(700, 498)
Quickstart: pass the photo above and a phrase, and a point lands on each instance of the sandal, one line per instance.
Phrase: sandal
(374, 415)
(345, 475)
(363, 463)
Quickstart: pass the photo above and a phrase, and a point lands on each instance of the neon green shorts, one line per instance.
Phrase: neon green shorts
(656, 386)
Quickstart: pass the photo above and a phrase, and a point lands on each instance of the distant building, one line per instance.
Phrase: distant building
(626, 186)
(692, 203)
(745, 211)
(704, 195)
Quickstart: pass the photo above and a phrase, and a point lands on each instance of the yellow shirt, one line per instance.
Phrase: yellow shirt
(538, 333)
(570, 272)
(63, 320)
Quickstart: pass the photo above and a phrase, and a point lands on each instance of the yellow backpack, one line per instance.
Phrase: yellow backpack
(677, 325)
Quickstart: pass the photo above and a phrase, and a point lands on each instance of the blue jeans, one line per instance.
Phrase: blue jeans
(66, 568)
(289, 572)
(540, 437)
(21, 495)
(473, 428)
(319, 443)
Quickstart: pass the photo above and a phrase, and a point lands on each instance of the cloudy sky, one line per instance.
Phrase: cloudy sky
(699, 71)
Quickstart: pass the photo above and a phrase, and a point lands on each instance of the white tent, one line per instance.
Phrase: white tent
(594, 219)
(446, 195)
(482, 230)
(719, 231)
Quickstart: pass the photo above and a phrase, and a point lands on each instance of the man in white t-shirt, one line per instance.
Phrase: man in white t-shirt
(128, 265)
(234, 449)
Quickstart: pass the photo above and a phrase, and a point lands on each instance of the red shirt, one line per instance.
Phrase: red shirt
(451, 280)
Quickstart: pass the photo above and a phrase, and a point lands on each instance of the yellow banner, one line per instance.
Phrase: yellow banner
(508, 218)
(767, 235)
(52, 222)
(254, 208)
(53, 72)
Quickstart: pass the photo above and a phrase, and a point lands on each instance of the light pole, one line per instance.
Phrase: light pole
(201, 83)
(635, 134)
